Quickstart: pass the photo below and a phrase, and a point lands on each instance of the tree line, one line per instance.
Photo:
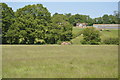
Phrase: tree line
(33, 24)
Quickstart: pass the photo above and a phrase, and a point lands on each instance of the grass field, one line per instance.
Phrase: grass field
(55, 61)
(107, 34)
(76, 30)
(104, 34)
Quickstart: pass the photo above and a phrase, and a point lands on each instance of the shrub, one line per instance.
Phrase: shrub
(91, 36)
(93, 42)
(111, 41)
(59, 42)
(39, 41)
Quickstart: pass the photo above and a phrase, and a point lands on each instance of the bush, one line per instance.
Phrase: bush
(111, 41)
(90, 42)
(91, 36)
(59, 42)
(39, 41)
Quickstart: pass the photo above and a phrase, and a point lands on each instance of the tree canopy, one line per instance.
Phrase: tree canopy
(106, 19)
(91, 36)
(33, 24)
(6, 16)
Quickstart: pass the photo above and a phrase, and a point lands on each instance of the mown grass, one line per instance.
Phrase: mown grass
(54, 61)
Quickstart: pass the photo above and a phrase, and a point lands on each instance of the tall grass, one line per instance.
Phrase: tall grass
(53, 61)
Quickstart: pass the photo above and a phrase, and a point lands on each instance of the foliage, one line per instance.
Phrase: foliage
(38, 41)
(7, 18)
(91, 36)
(77, 18)
(62, 28)
(103, 35)
(112, 41)
(106, 19)
(34, 23)
(31, 23)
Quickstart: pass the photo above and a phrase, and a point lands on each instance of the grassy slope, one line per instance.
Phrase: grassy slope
(104, 35)
(60, 61)
(76, 35)
(76, 31)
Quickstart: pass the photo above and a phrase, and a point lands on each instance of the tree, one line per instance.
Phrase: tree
(106, 19)
(91, 36)
(31, 24)
(61, 28)
(117, 16)
(77, 18)
(7, 18)
(68, 15)
(98, 20)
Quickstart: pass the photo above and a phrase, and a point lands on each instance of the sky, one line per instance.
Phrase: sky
(59, 0)
(93, 9)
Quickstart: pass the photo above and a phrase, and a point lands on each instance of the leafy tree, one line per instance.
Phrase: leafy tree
(77, 18)
(7, 18)
(31, 23)
(117, 16)
(62, 29)
(91, 36)
(98, 20)
(68, 15)
(106, 19)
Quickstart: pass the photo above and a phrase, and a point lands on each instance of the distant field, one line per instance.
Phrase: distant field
(55, 61)
(108, 34)
(104, 34)
(76, 31)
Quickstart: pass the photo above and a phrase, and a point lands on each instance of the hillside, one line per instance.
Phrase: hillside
(77, 37)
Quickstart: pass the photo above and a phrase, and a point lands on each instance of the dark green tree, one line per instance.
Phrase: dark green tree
(7, 18)
(98, 20)
(77, 18)
(62, 29)
(106, 19)
(91, 36)
(31, 24)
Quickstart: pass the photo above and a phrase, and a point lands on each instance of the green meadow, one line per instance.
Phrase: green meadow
(30, 38)
(57, 61)
(103, 34)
